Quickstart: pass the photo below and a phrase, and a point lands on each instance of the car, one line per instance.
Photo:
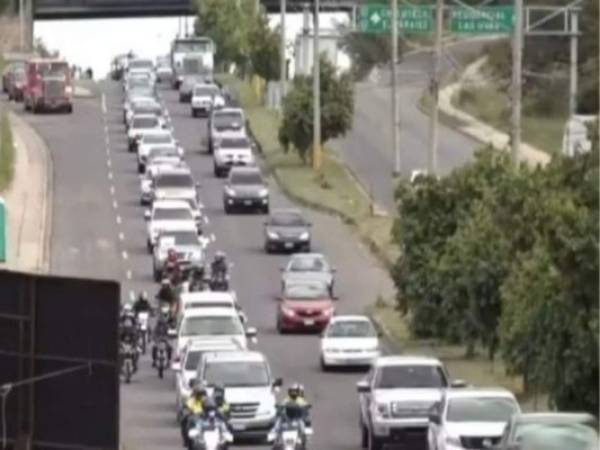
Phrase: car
(225, 122)
(167, 215)
(16, 81)
(187, 86)
(155, 166)
(304, 306)
(287, 229)
(395, 399)
(164, 71)
(152, 139)
(232, 152)
(186, 243)
(177, 184)
(139, 66)
(550, 431)
(142, 124)
(212, 323)
(186, 365)
(349, 341)
(211, 299)
(250, 390)
(308, 267)
(205, 97)
(145, 105)
(246, 188)
(470, 418)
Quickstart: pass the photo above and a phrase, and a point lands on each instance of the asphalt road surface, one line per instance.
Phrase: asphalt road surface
(99, 231)
(368, 147)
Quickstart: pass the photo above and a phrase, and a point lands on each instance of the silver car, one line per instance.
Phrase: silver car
(225, 123)
(308, 267)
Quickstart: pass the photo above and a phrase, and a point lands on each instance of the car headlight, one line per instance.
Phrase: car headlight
(288, 312)
(329, 312)
(263, 192)
(454, 441)
(381, 410)
(304, 236)
(272, 235)
(229, 191)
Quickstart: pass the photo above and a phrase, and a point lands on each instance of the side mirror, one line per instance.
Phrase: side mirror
(147, 214)
(176, 367)
(458, 384)
(251, 332)
(278, 382)
(434, 418)
(363, 387)
(333, 270)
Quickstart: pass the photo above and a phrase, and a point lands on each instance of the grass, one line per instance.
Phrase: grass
(491, 105)
(334, 190)
(478, 370)
(7, 154)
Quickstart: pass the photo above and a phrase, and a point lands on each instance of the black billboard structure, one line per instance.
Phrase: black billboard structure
(59, 372)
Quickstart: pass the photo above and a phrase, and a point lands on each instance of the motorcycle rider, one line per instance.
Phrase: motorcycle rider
(219, 264)
(196, 278)
(128, 332)
(293, 407)
(193, 409)
(142, 304)
(161, 333)
(223, 408)
(167, 294)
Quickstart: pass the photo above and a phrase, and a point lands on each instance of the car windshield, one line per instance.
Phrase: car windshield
(192, 65)
(157, 139)
(538, 436)
(212, 326)
(234, 143)
(228, 121)
(148, 109)
(174, 181)
(140, 64)
(247, 178)
(53, 69)
(483, 409)
(172, 214)
(306, 291)
(181, 237)
(145, 122)
(308, 264)
(192, 359)
(141, 90)
(206, 90)
(287, 219)
(166, 150)
(192, 46)
(237, 374)
(411, 377)
(351, 329)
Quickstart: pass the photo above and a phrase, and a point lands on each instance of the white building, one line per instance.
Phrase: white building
(328, 44)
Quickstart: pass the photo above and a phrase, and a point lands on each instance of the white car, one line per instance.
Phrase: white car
(153, 139)
(186, 365)
(208, 324)
(225, 122)
(140, 125)
(211, 299)
(230, 152)
(144, 105)
(349, 341)
(154, 167)
(304, 267)
(470, 418)
(205, 97)
(167, 215)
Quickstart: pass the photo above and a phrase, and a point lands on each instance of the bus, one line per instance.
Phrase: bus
(193, 48)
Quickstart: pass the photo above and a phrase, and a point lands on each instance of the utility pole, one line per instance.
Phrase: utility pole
(22, 25)
(517, 56)
(316, 156)
(282, 61)
(435, 90)
(305, 39)
(573, 78)
(395, 112)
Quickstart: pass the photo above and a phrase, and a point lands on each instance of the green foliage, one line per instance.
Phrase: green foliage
(506, 258)
(265, 45)
(337, 109)
(7, 153)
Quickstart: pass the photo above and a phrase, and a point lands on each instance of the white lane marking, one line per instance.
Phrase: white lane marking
(112, 190)
(119, 220)
(103, 103)
(206, 221)
(128, 274)
(108, 162)
(115, 204)
(125, 255)
(107, 140)
(110, 175)
(213, 238)
(121, 236)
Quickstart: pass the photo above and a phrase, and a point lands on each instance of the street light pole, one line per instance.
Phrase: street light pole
(22, 24)
(574, 62)
(316, 156)
(517, 56)
(282, 59)
(435, 90)
(395, 103)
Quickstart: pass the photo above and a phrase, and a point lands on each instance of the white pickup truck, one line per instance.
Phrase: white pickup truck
(231, 151)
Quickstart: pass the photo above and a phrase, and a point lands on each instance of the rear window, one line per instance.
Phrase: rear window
(140, 64)
(233, 120)
(172, 214)
(411, 377)
(248, 178)
(145, 122)
(287, 219)
(157, 139)
(234, 143)
(175, 180)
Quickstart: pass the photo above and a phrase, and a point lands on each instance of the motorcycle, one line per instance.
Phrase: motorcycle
(128, 361)
(219, 281)
(142, 319)
(161, 357)
(293, 435)
(212, 435)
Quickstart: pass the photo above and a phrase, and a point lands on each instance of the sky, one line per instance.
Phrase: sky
(93, 43)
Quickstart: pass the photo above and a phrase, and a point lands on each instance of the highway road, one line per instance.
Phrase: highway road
(98, 230)
(368, 147)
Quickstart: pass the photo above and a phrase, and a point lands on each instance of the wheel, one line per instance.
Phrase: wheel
(216, 171)
(265, 209)
(10, 97)
(130, 148)
(324, 367)
(156, 274)
(267, 248)
(160, 371)
(280, 328)
(70, 109)
(374, 443)
(364, 436)
(141, 167)
(149, 246)
(194, 113)
(307, 248)
(227, 208)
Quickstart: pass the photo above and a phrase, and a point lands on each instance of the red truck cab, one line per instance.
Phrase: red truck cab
(48, 85)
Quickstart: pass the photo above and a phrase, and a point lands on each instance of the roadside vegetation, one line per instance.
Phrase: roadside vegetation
(7, 153)
(502, 262)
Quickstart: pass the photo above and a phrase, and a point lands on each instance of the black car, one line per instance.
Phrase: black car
(287, 229)
(245, 188)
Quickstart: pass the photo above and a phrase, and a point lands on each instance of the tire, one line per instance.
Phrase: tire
(128, 371)
(216, 171)
(373, 443)
(324, 366)
(141, 167)
(156, 275)
(227, 208)
(194, 113)
(149, 246)
(130, 148)
(160, 371)
(364, 436)
(307, 248)
(70, 109)
(265, 209)
(268, 248)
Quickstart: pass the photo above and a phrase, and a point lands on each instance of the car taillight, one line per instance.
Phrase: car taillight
(68, 90)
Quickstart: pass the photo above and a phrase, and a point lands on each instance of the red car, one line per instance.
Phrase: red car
(305, 306)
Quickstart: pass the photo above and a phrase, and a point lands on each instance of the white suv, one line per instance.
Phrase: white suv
(231, 151)
(396, 397)
(249, 389)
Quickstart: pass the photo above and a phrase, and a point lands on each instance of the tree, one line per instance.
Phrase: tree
(337, 109)
(265, 45)
(367, 51)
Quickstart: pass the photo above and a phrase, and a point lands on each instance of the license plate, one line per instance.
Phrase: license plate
(247, 202)
(289, 245)
(238, 426)
(309, 322)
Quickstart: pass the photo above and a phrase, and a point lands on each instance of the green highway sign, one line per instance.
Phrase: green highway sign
(377, 18)
(482, 20)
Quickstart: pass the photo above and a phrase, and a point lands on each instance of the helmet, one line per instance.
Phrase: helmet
(127, 309)
(199, 390)
(220, 255)
(143, 296)
(294, 391)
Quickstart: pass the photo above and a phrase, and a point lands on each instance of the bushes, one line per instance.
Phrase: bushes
(506, 259)
(7, 153)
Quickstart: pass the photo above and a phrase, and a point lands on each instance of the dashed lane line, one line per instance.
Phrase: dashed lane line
(119, 220)
(121, 236)
(128, 274)
(110, 175)
(103, 103)
(125, 255)
(115, 204)
(213, 238)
